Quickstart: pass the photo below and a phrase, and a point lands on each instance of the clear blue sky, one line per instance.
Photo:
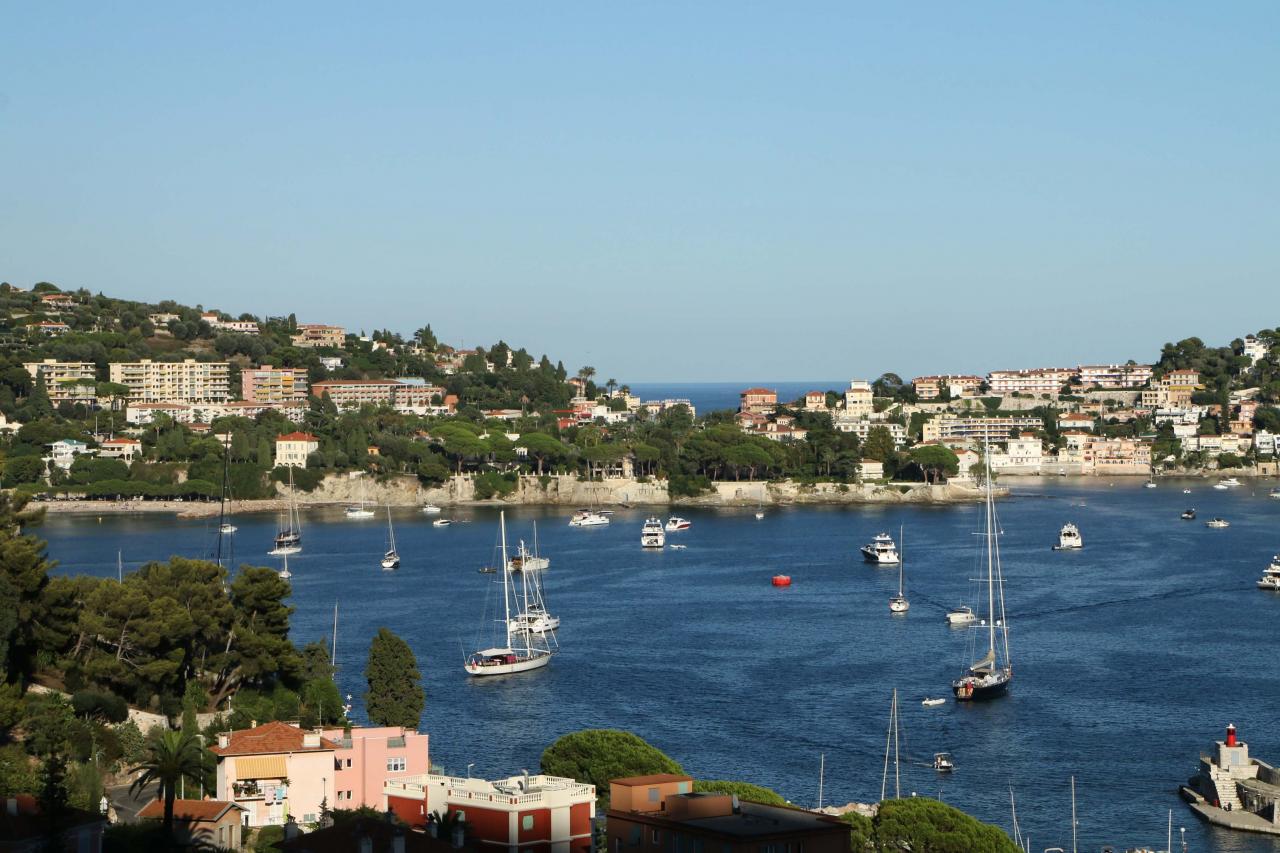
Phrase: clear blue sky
(703, 191)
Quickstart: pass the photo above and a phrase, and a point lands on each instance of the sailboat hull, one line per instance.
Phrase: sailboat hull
(969, 689)
(484, 668)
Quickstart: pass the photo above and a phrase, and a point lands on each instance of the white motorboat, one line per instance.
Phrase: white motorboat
(651, 535)
(537, 620)
(675, 523)
(284, 572)
(431, 509)
(678, 547)
(1217, 523)
(1150, 484)
(390, 559)
(588, 518)
(1271, 576)
(523, 649)
(1188, 514)
(1222, 487)
(227, 528)
(526, 560)
(1186, 491)
(442, 522)
(881, 551)
(899, 603)
(1069, 538)
(1229, 482)
(942, 762)
(759, 515)
(1274, 494)
(932, 703)
(962, 615)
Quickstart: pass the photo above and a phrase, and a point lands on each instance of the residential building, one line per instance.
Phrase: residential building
(1265, 442)
(662, 813)
(242, 327)
(1255, 349)
(51, 329)
(541, 814)
(1113, 376)
(214, 823)
(331, 362)
(67, 381)
(162, 319)
(24, 830)
(273, 385)
(294, 448)
(1075, 420)
(124, 449)
(141, 414)
(57, 300)
(758, 401)
(1117, 456)
(275, 770)
(1035, 381)
(64, 451)
(367, 757)
(931, 387)
(1022, 455)
(815, 400)
(858, 399)
(316, 335)
(979, 429)
(187, 381)
(402, 396)
(870, 469)
(862, 428)
(1172, 391)
(657, 407)
(371, 835)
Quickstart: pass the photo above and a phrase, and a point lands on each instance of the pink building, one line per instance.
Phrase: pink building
(369, 757)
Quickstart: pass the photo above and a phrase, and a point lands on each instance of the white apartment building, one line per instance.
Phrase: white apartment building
(858, 399)
(294, 448)
(188, 381)
(931, 387)
(1265, 442)
(862, 428)
(1022, 455)
(1035, 380)
(948, 426)
(313, 335)
(1114, 375)
(66, 381)
(243, 327)
(1255, 349)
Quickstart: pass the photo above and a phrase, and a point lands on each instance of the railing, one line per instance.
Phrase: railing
(395, 742)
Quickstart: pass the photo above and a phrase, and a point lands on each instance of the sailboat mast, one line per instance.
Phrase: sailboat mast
(333, 654)
(991, 587)
(902, 550)
(822, 770)
(120, 566)
(506, 577)
(1073, 815)
(888, 740)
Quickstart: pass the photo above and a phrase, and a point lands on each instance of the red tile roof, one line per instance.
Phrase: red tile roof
(269, 739)
(759, 391)
(297, 436)
(190, 811)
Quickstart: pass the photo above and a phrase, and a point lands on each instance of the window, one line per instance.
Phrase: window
(340, 793)
(653, 795)
(395, 764)
(526, 822)
(348, 762)
(460, 815)
(683, 788)
(656, 837)
(309, 818)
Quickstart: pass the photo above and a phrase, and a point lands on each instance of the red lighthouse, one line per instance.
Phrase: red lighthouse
(1231, 734)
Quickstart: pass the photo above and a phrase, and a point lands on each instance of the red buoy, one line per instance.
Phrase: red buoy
(782, 580)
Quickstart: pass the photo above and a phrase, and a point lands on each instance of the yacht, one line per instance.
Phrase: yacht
(289, 534)
(651, 535)
(675, 523)
(881, 551)
(442, 522)
(521, 648)
(1150, 484)
(1069, 538)
(537, 620)
(390, 559)
(431, 509)
(1274, 494)
(1229, 482)
(1271, 576)
(942, 762)
(227, 528)
(588, 518)
(1217, 523)
(899, 603)
(526, 560)
(1188, 514)
(962, 615)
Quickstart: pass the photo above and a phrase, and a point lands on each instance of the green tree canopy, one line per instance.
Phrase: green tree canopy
(596, 756)
(395, 696)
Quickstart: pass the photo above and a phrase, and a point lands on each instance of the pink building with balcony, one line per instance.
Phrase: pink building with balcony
(367, 758)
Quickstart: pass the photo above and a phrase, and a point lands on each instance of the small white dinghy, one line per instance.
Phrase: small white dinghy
(930, 703)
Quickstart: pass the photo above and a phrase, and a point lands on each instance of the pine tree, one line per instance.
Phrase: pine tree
(38, 403)
(395, 696)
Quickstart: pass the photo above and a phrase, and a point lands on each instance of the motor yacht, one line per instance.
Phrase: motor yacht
(1069, 538)
(651, 535)
(881, 551)
(675, 523)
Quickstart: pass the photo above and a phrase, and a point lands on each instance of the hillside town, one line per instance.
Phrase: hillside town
(106, 398)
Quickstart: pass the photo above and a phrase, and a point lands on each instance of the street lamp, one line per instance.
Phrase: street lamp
(1183, 831)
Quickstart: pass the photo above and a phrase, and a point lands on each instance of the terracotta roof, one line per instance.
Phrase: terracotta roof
(652, 779)
(121, 441)
(190, 811)
(327, 382)
(297, 436)
(268, 739)
(760, 391)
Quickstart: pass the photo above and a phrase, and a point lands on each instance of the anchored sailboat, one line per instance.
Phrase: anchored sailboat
(523, 649)
(989, 676)
(391, 559)
(289, 535)
(899, 603)
(360, 511)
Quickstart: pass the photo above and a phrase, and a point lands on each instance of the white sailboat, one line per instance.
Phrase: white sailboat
(523, 649)
(899, 603)
(289, 535)
(360, 511)
(989, 676)
(284, 573)
(391, 559)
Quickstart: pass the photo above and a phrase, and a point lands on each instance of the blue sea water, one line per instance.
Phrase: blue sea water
(1130, 657)
(711, 396)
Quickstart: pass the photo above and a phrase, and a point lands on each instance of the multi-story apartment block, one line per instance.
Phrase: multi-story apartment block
(758, 401)
(294, 448)
(66, 381)
(403, 396)
(858, 402)
(366, 758)
(862, 428)
(1118, 455)
(315, 335)
(173, 381)
(540, 814)
(1255, 349)
(947, 426)
(273, 385)
(1022, 455)
(1035, 380)
(662, 813)
(1172, 391)
(931, 387)
(275, 770)
(1114, 376)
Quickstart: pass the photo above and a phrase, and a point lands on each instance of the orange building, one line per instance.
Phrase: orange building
(759, 401)
(661, 813)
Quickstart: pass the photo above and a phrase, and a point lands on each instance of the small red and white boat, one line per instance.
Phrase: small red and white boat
(782, 580)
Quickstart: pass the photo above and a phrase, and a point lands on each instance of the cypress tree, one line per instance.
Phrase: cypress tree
(395, 696)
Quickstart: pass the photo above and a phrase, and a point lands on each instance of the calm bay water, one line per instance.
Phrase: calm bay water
(1130, 657)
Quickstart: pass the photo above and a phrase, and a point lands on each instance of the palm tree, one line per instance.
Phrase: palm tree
(170, 757)
(611, 384)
